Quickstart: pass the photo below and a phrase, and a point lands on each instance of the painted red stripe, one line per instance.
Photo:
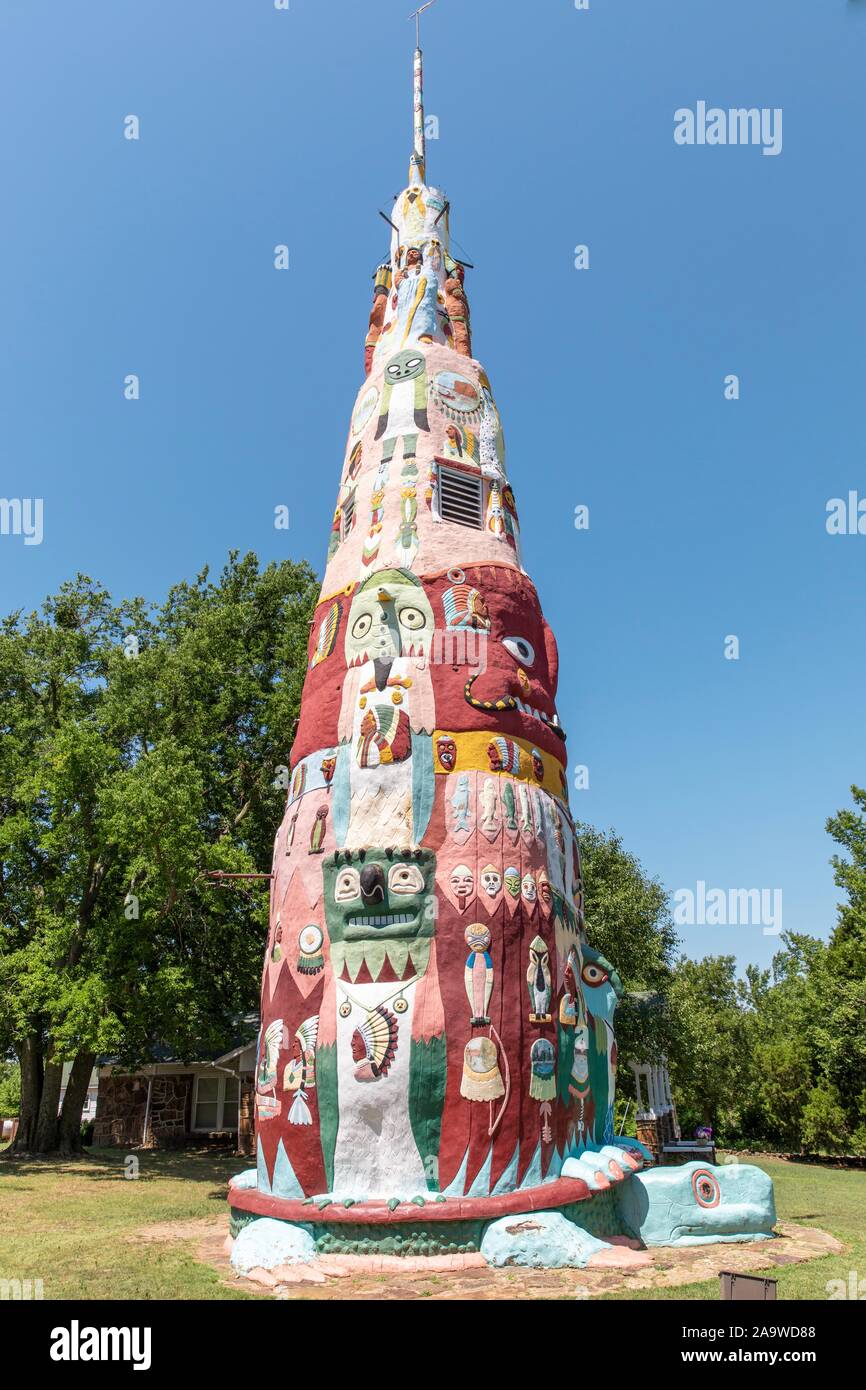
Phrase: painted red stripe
(554, 1194)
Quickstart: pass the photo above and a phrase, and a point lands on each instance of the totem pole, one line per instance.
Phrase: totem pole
(437, 1040)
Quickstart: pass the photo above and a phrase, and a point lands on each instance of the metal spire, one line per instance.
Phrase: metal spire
(419, 149)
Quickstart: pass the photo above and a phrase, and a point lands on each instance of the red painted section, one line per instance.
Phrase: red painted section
(554, 1194)
(514, 609)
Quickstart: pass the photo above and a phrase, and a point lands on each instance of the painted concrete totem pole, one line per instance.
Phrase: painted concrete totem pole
(437, 1043)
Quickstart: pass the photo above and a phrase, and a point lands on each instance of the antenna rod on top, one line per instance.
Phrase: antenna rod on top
(420, 150)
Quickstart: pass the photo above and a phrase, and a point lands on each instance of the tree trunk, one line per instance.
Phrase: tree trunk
(69, 1128)
(49, 1105)
(30, 1059)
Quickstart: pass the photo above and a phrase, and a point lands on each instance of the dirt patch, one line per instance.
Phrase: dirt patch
(667, 1268)
(164, 1231)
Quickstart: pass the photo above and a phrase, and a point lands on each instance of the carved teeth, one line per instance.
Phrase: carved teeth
(390, 919)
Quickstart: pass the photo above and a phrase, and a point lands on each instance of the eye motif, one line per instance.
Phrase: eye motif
(405, 878)
(520, 649)
(310, 939)
(362, 625)
(594, 975)
(413, 364)
(411, 618)
(706, 1189)
(348, 886)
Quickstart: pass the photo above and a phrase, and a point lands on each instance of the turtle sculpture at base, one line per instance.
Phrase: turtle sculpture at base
(617, 1210)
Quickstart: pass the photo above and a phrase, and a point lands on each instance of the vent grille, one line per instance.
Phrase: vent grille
(348, 515)
(460, 498)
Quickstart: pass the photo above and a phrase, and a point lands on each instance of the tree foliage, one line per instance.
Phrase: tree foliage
(140, 750)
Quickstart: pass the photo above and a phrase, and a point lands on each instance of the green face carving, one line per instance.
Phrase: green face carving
(390, 616)
(405, 366)
(380, 905)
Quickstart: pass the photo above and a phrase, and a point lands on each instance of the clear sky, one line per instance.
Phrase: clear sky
(707, 516)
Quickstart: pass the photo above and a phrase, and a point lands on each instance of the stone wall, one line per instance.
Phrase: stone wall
(170, 1107)
(122, 1104)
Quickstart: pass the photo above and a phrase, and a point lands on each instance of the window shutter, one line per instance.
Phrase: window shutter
(460, 498)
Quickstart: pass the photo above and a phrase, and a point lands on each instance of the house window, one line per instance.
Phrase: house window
(215, 1103)
(461, 497)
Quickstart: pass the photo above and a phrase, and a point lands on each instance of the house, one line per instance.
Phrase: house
(172, 1101)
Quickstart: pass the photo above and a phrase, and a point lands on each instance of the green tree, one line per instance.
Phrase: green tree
(628, 920)
(824, 1125)
(10, 1089)
(711, 1057)
(141, 750)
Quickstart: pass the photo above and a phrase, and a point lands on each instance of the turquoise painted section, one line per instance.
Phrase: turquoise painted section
(586, 1167)
(249, 1178)
(532, 1176)
(285, 1183)
(538, 1240)
(698, 1203)
(266, 1243)
(508, 1180)
(341, 794)
(423, 783)
(481, 1183)
(625, 1141)
(457, 1185)
(554, 1169)
(263, 1182)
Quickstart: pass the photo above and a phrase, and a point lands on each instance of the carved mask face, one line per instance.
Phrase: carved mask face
(528, 888)
(544, 892)
(446, 751)
(477, 937)
(512, 882)
(405, 366)
(462, 881)
(390, 616)
(518, 683)
(379, 894)
(491, 880)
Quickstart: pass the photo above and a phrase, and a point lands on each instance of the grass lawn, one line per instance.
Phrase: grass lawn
(81, 1227)
(73, 1225)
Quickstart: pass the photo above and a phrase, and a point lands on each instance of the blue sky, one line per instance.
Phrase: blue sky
(707, 516)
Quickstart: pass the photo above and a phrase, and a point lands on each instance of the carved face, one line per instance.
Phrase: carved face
(477, 937)
(517, 686)
(491, 880)
(544, 892)
(390, 616)
(462, 881)
(446, 751)
(598, 982)
(528, 888)
(405, 366)
(512, 882)
(379, 894)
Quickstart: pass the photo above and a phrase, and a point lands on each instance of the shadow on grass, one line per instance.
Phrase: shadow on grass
(153, 1165)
